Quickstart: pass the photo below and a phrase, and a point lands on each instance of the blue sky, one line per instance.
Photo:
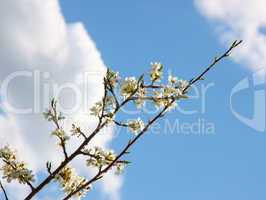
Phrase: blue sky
(228, 165)
(184, 35)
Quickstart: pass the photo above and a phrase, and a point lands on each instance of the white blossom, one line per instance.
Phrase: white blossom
(112, 78)
(164, 97)
(75, 130)
(60, 133)
(109, 106)
(140, 95)
(96, 109)
(182, 84)
(136, 125)
(14, 169)
(129, 85)
(70, 181)
(100, 158)
(156, 71)
(172, 79)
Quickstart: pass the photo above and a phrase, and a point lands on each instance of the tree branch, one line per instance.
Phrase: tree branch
(99, 175)
(102, 123)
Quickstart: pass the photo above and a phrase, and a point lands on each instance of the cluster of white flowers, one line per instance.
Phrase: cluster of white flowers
(109, 107)
(112, 77)
(61, 134)
(179, 84)
(156, 71)
(172, 80)
(129, 85)
(12, 168)
(182, 84)
(70, 181)
(97, 109)
(175, 89)
(100, 158)
(108, 113)
(75, 131)
(140, 101)
(136, 125)
(50, 116)
(164, 97)
(161, 95)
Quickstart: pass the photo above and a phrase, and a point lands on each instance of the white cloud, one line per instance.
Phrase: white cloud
(240, 19)
(111, 188)
(35, 36)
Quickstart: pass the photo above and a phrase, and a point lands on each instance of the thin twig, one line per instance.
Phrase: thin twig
(215, 61)
(120, 123)
(4, 191)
